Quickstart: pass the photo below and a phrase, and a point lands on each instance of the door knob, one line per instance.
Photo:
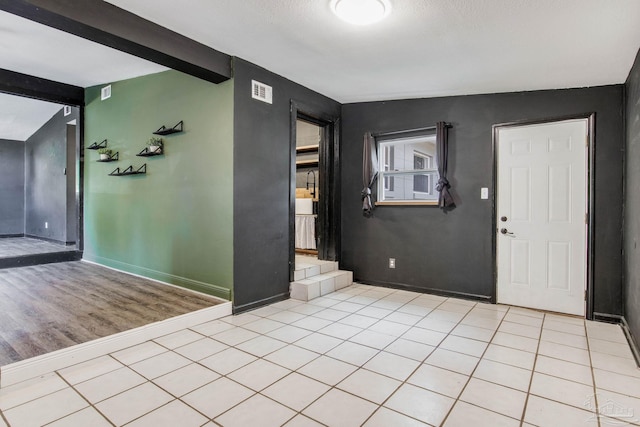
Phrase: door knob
(506, 232)
(503, 218)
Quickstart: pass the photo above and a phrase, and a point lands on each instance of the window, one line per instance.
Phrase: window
(388, 166)
(408, 172)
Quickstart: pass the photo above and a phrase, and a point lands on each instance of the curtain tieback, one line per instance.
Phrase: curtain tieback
(442, 183)
(366, 192)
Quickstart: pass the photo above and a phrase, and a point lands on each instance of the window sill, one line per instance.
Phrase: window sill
(408, 203)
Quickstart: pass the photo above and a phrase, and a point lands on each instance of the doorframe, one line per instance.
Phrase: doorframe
(590, 117)
(28, 86)
(329, 174)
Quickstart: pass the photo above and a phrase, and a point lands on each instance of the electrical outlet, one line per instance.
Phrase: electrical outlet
(484, 193)
(392, 263)
(46, 225)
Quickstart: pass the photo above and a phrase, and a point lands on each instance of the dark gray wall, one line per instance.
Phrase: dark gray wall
(452, 252)
(72, 213)
(261, 180)
(11, 187)
(46, 159)
(632, 201)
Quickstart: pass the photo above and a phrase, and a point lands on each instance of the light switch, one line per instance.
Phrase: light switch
(484, 193)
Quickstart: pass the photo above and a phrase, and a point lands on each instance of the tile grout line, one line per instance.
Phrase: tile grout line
(333, 387)
(596, 410)
(91, 405)
(4, 418)
(404, 382)
(533, 370)
(147, 380)
(423, 362)
(343, 340)
(470, 376)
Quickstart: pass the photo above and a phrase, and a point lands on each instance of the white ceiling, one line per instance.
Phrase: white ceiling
(425, 48)
(38, 50)
(20, 117)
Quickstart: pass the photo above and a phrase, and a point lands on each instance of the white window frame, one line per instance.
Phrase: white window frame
(385, 174)
(428, 160)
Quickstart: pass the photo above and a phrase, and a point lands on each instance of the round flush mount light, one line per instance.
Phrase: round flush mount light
(361, 12)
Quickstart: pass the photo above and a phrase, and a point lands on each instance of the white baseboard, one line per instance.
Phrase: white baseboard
(39, 365)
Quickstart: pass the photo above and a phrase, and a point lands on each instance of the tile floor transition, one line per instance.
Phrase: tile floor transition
(360, 356)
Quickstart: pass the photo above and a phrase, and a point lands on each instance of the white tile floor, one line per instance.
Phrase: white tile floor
(361, 356)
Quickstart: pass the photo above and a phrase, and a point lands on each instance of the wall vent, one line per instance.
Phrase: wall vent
(105, 93)
(261, 92)
(67, 110)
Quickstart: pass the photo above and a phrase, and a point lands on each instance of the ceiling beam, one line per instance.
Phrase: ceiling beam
(104, 23)
(14, 83)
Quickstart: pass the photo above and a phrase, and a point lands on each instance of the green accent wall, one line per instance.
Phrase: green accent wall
(174, 224)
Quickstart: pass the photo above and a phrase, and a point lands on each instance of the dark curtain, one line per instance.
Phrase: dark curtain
(369, 171)
(445, 201)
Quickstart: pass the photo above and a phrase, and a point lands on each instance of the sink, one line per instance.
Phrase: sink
(304, 206)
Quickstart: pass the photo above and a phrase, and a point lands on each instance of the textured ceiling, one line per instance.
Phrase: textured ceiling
(424, 48)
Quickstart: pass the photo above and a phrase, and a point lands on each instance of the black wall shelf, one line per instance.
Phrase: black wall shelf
(112, 158)
(146, 153)
(129, 171)
(168, 131)
(96, 146)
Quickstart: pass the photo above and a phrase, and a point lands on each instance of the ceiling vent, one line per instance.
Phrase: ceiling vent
(105, 93)
(261, 92)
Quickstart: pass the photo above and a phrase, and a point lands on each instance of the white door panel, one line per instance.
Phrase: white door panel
(541, 205)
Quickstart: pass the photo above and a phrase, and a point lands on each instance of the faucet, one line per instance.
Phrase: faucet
(313, 193)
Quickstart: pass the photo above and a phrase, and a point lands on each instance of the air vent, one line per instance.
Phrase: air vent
(105, 93)
(261, 92)
(67, 110)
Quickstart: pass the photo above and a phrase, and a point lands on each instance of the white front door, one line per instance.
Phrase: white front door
(541, 216)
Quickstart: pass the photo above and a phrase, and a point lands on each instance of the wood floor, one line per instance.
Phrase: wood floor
(20, 246)
(48, 307)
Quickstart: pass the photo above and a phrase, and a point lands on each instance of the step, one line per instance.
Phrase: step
(320, 285)
(307, 267)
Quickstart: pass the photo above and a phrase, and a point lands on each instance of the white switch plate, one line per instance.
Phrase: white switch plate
(46, 225)
(484, 193)
(392, 263)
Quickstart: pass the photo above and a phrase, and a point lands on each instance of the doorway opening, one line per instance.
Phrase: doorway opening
(314, 212)
(309, 137)
(543, 214)
(39, 219)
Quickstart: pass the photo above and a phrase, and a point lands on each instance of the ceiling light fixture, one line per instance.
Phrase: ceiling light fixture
(361, 12)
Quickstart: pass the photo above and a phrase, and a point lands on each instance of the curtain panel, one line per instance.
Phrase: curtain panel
(445, 201)
(369, 171)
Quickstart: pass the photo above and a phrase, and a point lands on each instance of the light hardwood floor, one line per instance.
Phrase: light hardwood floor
(48, 307)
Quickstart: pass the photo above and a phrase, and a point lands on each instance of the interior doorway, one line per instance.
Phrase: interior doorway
(314, 212)
(39, 194)
(309, 138)
(542, 215)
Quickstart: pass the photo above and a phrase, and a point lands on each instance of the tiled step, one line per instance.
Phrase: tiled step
(321, 284)
(307, 267)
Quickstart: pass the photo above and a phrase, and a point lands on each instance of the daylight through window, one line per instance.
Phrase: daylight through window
(407, 170)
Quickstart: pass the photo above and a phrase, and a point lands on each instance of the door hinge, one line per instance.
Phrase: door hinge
(586, 218)
(585, 295)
